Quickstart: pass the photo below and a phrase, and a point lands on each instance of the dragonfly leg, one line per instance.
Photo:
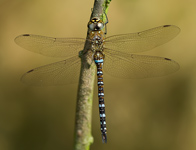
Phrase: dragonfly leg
(106, 22)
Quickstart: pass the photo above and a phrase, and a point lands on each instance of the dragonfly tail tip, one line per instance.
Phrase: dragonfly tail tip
(104, 138)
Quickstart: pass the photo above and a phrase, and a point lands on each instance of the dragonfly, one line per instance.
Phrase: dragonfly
(115, 52)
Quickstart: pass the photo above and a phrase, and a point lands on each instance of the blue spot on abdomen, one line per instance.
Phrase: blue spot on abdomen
(99, 61)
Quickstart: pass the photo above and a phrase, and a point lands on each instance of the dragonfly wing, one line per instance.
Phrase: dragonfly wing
(138, 66)
(59, 73)
(48, 46)
(142, 41)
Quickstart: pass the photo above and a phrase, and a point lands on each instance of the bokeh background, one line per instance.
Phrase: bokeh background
(151, 114)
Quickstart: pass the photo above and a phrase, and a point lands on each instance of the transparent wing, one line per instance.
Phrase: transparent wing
(59, 73)
(137, 66)
(48, 46)
(142, 41)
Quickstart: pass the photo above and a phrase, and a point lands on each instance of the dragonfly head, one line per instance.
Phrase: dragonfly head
(95, 24)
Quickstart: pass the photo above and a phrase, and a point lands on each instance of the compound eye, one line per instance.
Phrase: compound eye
(91, 26)
(99, 26)
(96, 26)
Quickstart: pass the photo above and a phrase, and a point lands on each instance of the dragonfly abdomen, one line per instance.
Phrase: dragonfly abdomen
(98, 58)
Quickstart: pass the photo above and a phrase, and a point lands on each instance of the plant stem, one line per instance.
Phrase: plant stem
(83, 137)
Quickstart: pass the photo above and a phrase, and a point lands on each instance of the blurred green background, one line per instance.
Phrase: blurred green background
(150, 114)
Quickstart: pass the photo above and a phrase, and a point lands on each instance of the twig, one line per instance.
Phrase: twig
(83, 137)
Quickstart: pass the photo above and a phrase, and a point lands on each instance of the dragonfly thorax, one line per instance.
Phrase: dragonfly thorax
(97, 43)
(95, 24)
(97, 40)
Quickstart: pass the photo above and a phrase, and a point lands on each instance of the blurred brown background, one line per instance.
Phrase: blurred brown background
(151, 114)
